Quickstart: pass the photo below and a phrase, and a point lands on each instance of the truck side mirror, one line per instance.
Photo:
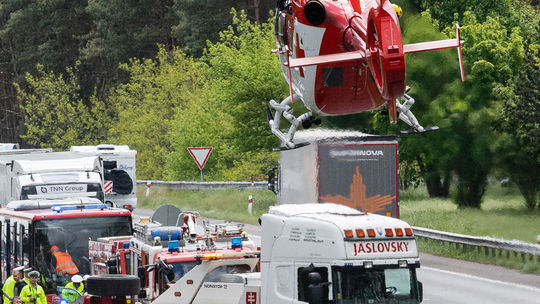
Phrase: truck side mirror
(111, 265)
(141, 273)
(170, 273)
(142, 294)
(317, 292)
(272, 179)
(26, 243)
(420, 292)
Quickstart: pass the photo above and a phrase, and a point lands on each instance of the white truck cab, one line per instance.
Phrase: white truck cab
(119, 164)
(315, 253)
(359, 257)
(51, 175)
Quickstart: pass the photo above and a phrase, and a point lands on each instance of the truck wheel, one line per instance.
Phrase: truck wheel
(111, 285)
(122, 183)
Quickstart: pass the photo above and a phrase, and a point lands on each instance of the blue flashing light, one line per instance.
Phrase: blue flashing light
(236, 242)
(95, 206)
(125, 245)
(174, 246)
(60, 208)
(57, 209)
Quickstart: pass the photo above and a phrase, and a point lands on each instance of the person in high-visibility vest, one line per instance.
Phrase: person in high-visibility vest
(85, 282)
(33, 293)
(26, 277)
(63, 262)
(76, 283)
(9, 284)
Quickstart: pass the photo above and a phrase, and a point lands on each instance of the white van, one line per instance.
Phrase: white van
(119, 170)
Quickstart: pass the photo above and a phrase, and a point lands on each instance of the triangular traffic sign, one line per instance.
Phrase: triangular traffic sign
(200, 155)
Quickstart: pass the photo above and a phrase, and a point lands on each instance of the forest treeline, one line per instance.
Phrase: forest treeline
(161, 76)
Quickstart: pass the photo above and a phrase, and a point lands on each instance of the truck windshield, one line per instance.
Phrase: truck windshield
(180, 269)
(71, 235)
(357, 285)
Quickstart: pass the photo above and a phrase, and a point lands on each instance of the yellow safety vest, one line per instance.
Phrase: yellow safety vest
(8, 289)
(29, 291)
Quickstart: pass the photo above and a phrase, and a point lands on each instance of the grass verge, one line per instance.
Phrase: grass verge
(502, 215)
(227, 204)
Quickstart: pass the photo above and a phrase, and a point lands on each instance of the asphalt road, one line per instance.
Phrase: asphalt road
(449, 281)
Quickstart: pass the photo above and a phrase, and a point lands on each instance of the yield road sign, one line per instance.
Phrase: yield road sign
(200, 155)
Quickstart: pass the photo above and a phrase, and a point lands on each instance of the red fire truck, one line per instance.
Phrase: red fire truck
(160, 255)
(29, 228)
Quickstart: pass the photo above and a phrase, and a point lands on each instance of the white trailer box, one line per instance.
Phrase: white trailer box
(53, 175)
(8, 152)
(6, 146)
(119, 163)
(344, 167)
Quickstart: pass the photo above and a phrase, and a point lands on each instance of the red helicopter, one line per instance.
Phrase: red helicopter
(343, 57)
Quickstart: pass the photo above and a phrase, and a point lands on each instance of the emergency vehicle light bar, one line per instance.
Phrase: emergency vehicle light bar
(60, 208)
(389, 232)
(174, 246)
(236, 242)
(218, 255)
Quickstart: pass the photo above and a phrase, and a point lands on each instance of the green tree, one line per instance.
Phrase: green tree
(32, 32)
(518, 148)
(147, 103)
(448, 12)
(200, 124)
(493, 59)
(244, 77)
(46, 32)
(56, 116)
(120, 30)
(194, 29)
(514, 85)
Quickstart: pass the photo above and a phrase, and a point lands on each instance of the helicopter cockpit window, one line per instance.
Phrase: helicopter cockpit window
(333, 77)
(279, 28)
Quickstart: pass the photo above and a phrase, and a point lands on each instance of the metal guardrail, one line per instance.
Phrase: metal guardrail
(203, 185)
(496, 246)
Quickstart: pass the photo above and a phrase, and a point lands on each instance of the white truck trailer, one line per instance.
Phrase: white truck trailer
(52, 175)
(120, 175)
(8, 146)
(345, 167)
(313, 253)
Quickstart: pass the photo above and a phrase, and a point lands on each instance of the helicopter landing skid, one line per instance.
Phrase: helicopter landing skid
(296, 146)
(283, 109)
(413, 131)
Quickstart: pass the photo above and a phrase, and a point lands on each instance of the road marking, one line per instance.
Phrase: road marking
(532, 288)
